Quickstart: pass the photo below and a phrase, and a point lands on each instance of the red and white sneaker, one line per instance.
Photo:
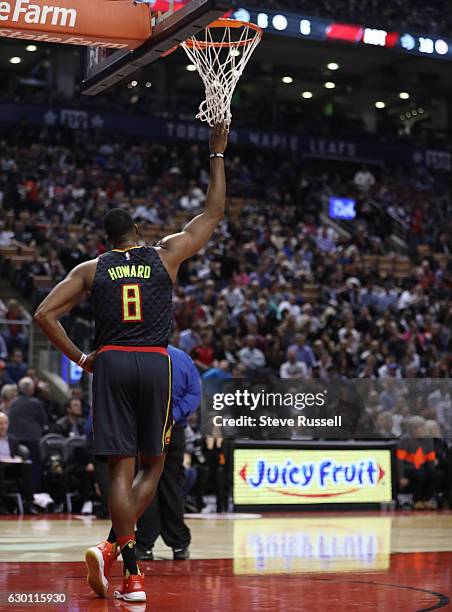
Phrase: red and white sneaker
(132, 588)
(99, 560)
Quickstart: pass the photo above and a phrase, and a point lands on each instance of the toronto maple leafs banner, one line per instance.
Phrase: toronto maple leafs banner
(156, 128)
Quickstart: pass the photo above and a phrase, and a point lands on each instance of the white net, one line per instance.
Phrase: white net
(220, 58)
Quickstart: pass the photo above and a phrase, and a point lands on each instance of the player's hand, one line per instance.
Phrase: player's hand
(404, 482)
(219, 138)
(88, 366)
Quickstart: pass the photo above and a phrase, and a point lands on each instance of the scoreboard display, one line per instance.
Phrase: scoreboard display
(305, 27)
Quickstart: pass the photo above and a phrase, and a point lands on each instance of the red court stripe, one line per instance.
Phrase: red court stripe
(134, 349)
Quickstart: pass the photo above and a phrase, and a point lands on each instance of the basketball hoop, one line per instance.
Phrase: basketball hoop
(220, 57)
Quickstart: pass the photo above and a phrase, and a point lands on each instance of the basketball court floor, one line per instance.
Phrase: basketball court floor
(310, 562)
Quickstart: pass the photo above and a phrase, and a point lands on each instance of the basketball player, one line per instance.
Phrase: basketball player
(131, 295)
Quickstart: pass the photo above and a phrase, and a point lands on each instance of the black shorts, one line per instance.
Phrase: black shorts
(132, 401)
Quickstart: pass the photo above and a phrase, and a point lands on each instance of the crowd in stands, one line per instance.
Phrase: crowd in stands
(279, 291)
(398, 15)
(46, 455)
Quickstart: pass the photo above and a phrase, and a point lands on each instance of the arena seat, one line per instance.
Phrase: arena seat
(51, 444)
(386, 264)
(442, 258)
(75, 229)
(310, 293)
(369, 262)
(402, 268)
(8, 251)
(42, 282)
(423, 249)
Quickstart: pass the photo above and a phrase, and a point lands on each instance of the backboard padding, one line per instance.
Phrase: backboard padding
(103, 68)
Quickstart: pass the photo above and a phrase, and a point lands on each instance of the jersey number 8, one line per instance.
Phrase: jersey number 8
(132, 311)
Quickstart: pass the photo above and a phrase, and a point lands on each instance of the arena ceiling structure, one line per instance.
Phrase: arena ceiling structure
(394, 82)
(372, 67)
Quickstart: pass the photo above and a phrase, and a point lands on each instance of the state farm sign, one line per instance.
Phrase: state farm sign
(99, 23)
(37, 13)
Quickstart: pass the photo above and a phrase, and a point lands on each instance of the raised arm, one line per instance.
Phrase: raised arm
(178, 247)
(59, 302)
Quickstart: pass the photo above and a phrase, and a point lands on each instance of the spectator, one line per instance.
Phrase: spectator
(73, 424)
(72, 254)
(16, 367)
(351, 336)
(3, 348)
(7, 394)
(54, 268)
(189, 339)
(6, 236)
(304, 352)
(385, 425)
(390, 369)
(194, 199)
(13, 466)
(390, 394)
(275, 354)
(416, 460)
(250, 356)
(325, 239)
(28, 423)
(293, 368)
(203, 354)
(229, 349)
(5, 378)
(439, 402)
(443, 461)
(53, 478)
(196, 470)
(364, 179)
(16, 334)
(77, 393)
(80, 476)
(220, 372)
(51, 406)
(257, 288)
(444, 244)
(399, 415)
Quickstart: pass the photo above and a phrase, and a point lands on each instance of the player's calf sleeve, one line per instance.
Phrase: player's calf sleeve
(112, 536)
(127, 545)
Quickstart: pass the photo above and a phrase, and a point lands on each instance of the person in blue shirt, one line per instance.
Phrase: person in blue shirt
(303, 351)
(165, 515)
(16, 367)
(219, 373)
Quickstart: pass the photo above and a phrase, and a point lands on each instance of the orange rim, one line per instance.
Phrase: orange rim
(226, 23)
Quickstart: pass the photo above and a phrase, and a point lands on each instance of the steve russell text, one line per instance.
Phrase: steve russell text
(269, 421)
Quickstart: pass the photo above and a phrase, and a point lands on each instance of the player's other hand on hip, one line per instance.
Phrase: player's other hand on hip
(88, 366)
(219, 138)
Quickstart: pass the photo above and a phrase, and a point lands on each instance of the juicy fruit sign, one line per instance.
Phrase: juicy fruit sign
(279, 476)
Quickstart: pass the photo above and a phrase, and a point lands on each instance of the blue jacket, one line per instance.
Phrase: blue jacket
(186, 385)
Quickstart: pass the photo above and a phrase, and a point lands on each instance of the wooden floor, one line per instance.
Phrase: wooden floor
(309, 562)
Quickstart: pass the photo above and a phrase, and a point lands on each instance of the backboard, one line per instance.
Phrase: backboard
(105, 67)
